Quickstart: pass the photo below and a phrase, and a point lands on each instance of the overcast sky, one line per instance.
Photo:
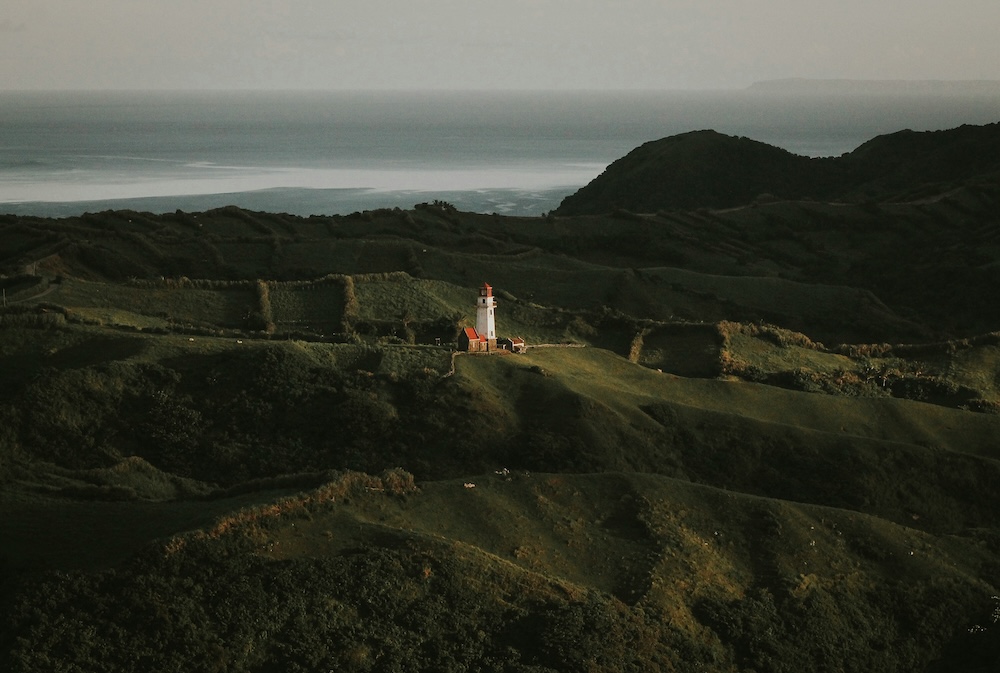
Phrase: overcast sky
(488, 44)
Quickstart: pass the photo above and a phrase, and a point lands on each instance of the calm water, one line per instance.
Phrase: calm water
(323, 153)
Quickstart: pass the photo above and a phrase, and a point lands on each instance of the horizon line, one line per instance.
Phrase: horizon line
(789, 82)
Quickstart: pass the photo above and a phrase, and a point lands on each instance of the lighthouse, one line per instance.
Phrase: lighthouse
(486, 324)
(483, 337)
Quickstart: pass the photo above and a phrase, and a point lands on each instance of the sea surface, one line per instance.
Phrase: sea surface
(66, 153)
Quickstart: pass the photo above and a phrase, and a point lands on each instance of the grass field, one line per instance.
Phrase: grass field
(116, 304)
(758, 439)
(599, 374)
(316, 308)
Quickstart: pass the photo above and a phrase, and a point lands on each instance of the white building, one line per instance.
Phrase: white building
(486, 324)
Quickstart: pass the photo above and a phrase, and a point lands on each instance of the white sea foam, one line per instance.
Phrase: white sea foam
(203, 179)
(292, 152)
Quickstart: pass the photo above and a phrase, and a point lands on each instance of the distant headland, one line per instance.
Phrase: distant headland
(876, 86)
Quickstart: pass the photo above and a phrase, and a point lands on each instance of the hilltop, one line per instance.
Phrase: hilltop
(709, 169)
(752, 437)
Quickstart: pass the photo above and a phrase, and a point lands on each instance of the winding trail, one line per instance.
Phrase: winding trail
(48, 290)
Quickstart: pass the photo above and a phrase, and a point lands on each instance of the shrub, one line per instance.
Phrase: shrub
(266, 316)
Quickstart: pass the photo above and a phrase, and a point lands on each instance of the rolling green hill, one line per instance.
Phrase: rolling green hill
(709, 169)
(715, 520)
(753, 438)
(522, 572)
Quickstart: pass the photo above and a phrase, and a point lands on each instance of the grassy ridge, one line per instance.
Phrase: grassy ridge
(526, 573)
(538, 563)
(758, 439)
(840, 273)
(960, 374)
(706, 168)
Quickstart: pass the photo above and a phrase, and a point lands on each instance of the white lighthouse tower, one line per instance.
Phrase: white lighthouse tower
(486, 324)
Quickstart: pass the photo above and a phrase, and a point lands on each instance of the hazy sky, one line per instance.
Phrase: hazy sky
(488, 44)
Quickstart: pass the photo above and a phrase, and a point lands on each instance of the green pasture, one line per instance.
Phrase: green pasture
(225, 305)
(310, 307)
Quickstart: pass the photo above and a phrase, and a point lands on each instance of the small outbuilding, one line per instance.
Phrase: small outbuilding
(513, 344)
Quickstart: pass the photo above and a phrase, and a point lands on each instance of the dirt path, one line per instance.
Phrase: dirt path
(48, 290)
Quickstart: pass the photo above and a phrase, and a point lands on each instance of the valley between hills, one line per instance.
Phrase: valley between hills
(755, 429)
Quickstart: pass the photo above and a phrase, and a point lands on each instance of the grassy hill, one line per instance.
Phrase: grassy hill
(756, 438)
(695, 169)
(524, 572)
(892, 272)
(560, 494)
(709, 169)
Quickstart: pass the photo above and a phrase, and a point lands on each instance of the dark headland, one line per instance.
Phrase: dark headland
(709, 169)
(755, 428)
(877, 87)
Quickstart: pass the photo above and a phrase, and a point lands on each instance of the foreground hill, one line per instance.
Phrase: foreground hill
(572, 510)
(521, 572)
(709, 169)
(754, 438)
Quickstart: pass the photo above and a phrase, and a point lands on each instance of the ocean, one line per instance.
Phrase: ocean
(305, 153)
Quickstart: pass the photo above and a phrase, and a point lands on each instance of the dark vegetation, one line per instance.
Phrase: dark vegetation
(762, 438)
(709, 169)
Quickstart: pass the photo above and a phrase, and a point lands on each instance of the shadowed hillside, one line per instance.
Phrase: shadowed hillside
(893, 272)
(708, 169)
(700, 168)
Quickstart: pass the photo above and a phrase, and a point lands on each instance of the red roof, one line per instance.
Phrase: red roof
(472, 334)
(486, 290)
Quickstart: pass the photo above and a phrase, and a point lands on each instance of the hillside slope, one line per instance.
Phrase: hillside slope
(708, 169)
(693, 170)
(521, 572)
(893, 272)
(752, 438)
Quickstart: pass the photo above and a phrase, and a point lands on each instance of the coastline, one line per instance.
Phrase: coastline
(305, 202)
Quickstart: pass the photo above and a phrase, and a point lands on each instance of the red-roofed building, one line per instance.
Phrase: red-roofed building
(471, 341)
